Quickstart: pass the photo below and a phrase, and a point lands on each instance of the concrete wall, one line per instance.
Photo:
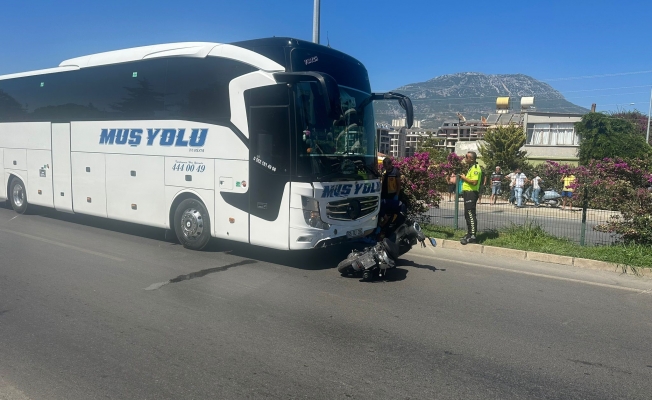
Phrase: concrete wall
(535, 154)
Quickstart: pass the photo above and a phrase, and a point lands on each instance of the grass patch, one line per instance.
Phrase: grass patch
(531, 237)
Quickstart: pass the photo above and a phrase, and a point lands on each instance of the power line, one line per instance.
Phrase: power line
(606, 95)
(596, 76)
(614, 88)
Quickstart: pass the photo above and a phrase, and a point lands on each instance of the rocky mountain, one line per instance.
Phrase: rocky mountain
(473, 95)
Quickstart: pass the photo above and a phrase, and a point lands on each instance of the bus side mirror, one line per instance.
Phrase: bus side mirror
(406, 104)
(403, 101)
(328, 87)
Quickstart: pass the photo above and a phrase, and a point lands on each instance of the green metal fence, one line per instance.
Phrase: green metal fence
(576, 223)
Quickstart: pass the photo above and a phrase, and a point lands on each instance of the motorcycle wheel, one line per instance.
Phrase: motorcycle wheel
(367, 275)
(345, 267)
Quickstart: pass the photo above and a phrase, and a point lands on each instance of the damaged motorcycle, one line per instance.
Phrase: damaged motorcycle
(373, 262)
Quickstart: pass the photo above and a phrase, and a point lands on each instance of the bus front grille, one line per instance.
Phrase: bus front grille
(352, 209)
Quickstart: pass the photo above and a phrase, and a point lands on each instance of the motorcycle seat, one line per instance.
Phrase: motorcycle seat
(391, 248)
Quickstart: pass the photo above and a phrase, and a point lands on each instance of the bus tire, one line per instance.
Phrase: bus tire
(192, 224)
(18, 196)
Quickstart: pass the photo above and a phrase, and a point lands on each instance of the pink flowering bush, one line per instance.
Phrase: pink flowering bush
(419, 181)
(442, 171)
(621, 185)
(552, 172)
(611, 184)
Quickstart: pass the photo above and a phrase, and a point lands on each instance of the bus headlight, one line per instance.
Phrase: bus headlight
(311, 213)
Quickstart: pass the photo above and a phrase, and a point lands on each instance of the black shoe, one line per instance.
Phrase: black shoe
(468, 239)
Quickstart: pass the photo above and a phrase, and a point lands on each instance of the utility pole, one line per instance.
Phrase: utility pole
(647, 136)
(315, 23)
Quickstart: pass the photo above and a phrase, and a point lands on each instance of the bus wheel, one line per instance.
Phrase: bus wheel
(18, 196)
(192, 225)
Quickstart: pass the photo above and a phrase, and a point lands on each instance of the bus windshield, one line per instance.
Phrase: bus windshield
(329, 149)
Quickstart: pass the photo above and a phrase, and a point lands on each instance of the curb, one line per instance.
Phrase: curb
(504, 252)
(451, 244)
(545, 257)
(549, 258)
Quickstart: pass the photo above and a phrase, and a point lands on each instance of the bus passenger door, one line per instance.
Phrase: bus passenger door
(269, 166)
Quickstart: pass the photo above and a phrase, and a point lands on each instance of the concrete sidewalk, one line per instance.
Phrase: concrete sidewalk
(501, 252)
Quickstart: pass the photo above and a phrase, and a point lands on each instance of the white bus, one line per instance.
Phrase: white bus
(269, 141)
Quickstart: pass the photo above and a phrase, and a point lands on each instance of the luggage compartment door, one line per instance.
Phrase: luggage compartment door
(61, 174)
(89, 183)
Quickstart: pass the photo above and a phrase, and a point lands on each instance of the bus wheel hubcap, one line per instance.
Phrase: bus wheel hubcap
(18, 195)
(192, 224)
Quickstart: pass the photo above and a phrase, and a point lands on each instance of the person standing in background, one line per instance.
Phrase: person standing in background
(496, 185)
(519, 182)
(567, 191)
(512, 197)
(452, 186)
(536, 189)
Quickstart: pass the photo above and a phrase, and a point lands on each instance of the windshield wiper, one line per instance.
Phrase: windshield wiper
(344, 177)
(331, 175)
(373, 171)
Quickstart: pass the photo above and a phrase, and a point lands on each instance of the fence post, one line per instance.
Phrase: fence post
(457, 201)
(585, 206)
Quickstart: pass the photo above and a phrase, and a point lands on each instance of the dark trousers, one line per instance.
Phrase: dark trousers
(470, 201)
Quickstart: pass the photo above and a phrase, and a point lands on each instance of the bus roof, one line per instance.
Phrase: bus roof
(184, 49)
(259, 45)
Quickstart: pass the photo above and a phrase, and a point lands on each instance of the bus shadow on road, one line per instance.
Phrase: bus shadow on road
(126, 228)
(313, 259)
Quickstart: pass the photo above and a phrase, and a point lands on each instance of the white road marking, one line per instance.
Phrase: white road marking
(9, 392)
(155, 286)
(67, 246)
(559, 278)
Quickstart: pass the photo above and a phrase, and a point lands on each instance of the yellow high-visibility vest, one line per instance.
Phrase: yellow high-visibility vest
(474, 173)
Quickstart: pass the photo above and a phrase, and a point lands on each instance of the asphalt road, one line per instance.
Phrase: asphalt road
(93, 309)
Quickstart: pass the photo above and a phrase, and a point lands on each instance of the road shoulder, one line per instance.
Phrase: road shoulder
(501, 252)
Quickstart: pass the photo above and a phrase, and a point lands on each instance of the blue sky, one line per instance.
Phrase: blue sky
(592, 51)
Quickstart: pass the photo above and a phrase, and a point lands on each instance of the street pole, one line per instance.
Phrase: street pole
(315, 23)
(647, 136)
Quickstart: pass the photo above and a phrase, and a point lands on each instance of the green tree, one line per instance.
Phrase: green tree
(502, 147)
(432, 145)
(636, 117)
(603, 136)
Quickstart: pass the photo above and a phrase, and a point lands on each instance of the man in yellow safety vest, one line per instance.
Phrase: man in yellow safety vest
(470, 191)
